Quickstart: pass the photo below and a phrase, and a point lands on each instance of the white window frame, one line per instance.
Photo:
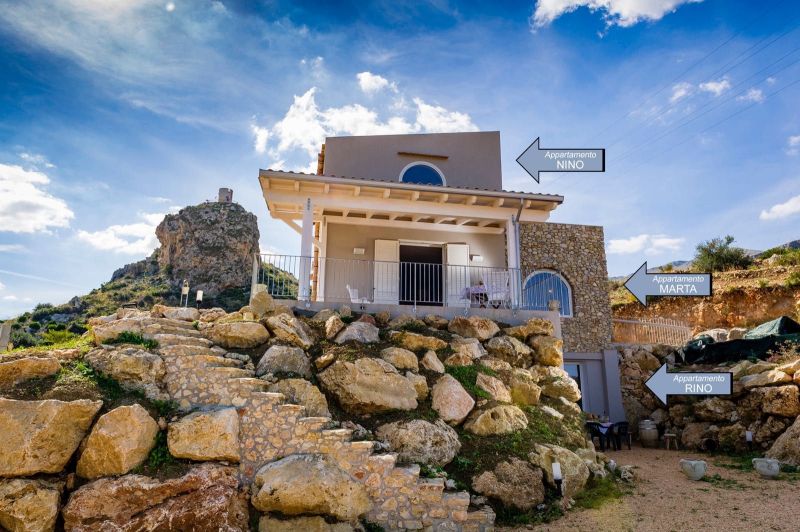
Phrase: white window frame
(566, 282)
(424, 163)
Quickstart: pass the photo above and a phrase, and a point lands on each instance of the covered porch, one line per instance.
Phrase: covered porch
(371, 242)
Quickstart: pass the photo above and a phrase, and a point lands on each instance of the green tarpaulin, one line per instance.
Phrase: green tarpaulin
(757, 343)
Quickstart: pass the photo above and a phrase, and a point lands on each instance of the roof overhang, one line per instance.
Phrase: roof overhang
(364, 201)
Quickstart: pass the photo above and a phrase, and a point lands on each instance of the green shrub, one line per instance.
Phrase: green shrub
(53, 337)
(468, 376)
(128, 337)
(160, 456)
(790, 258)
(793, 280)
(42, 311)
(719, 254)
(21, 338)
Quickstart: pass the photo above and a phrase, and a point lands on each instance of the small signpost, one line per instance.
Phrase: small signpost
(536, 160)
(663, 384)
(642, 284)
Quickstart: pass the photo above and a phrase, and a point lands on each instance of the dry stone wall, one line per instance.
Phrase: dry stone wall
(577, 252)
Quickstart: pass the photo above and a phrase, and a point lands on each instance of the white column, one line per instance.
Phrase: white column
(306, 253)
(512, 245)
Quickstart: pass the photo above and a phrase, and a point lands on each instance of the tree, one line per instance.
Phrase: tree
(719, 254)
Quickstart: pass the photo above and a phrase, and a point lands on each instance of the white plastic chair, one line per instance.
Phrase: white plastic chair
(498, 292)
(354, 296)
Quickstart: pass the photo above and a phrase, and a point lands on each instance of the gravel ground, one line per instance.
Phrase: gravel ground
(664, 500)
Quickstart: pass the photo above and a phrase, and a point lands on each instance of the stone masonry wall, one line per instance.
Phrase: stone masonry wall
(577, 252)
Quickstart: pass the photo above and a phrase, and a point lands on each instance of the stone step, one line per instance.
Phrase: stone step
(430, 490)
(165, 340)
(201, 361)
(229, 373)
(265, 399)
(185, 350)
(403, 476)
(455, 501)
(154, 329)
(334, 435)
(382, 463)
(314, 424)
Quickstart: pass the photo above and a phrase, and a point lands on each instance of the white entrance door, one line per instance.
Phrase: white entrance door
(457, 272)
(386, 276)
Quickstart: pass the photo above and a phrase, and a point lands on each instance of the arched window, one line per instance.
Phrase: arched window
(543, 286)
(422, 173)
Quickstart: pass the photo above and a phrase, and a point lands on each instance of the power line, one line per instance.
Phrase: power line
(687, 70)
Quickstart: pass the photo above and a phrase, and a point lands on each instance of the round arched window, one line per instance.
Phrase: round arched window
(544, 286)
(422, 173)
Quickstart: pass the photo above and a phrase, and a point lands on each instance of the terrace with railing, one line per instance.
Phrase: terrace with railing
(364, 282)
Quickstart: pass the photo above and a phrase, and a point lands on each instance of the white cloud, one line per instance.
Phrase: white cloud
(36, 160)
(10, 297)
(170, 7)
(25, 205)
(316, 67)
(786, 209)
(680, 91)
(716, 87)
(793, 143)
(137, 238)
(771, 80)
(649, 244)
(260, 138)
(622, 13)
(11, 248)
(305, 126)
(752, 95)
(159, 199)
(373, 83)
(2, 286)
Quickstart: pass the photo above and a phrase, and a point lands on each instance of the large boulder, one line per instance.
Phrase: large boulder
(422, 442)
(473, 327)
(534, 326)
(368, 385)
(787, 447)
(574, 470)
(205, 498)
(790, 368)
(435, 321)
(431, 362)
(181, 313)
(417, 342)
(778, 400)
(211, 435)
(309, 484)
(450, 400)
(523, 390)
(468, 347)
(284, 359)
(494, 387)
(645, 360)
(302, 392)
(511, 350)
(133, 368)
(291, 330)
(41, 436)
(358, 331)
(771, 377)
(16, 370)
(547, 350)
(120, 440)
(29, 505)
(267, 523)
(499, 419)
(420, 384)
(400, 358)
(262, 304)
(714, 409)
(237, 334)
(559, 384)
(333, 325)
(694, 434)
(514, 483)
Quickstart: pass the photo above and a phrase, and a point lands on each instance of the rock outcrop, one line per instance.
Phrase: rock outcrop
(205, 498)
(133, 368)
(211, 244)
(309, 484)
(473, 327)
(41, 436)
(29, 505)
(16, 370)
(787, 447)
(302, 392)
(201, 436)
(499, 419)
(422, 442)
(238, 334)
(515, 483)
(368, 385)
(284, 359)
(118, 442)
(450, 400)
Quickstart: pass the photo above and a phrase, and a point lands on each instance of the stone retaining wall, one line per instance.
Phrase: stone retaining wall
(577, 252)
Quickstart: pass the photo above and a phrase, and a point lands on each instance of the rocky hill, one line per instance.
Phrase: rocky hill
(269, 418)
(211, 245)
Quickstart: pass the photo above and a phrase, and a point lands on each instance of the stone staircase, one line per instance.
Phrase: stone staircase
(200, 375)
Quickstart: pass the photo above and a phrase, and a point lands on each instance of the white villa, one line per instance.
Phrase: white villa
(421, 224)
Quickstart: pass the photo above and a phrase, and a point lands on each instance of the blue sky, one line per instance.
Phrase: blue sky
(113, 112)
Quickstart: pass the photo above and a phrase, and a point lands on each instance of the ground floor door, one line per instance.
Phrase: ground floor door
(421, 275)
(386, 272)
